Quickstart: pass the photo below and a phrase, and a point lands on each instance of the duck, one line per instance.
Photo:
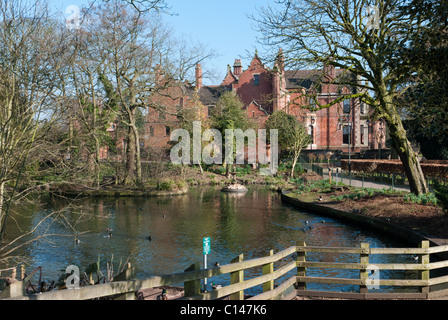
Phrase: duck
(109, 230)
(414, 257)
(216, 286)
(77, 240)
(162, 296)
(149, 238)
(323, 221)
(109, 235)
(306, 222)
(320, 198)
(216, 264)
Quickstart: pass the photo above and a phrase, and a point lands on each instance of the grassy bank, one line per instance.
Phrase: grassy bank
(418, 213)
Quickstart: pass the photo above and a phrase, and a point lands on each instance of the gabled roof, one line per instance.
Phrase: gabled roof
(259, 106)
(307, 79)
(209, 95)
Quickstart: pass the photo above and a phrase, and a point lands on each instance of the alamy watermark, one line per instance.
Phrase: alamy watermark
(73, 21)
(235, 148)
(373, 278)
(72, 281)
(373, 17)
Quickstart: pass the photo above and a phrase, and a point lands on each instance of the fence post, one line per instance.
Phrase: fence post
(14, 290)
(424, 259)
(192, 287)
(237, 277)
(127, 274)
(22, 272)
(363, 272)
(268, 268)
(301, 271)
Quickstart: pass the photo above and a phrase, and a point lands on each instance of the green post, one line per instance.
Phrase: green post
(268, 268)
(193, 287)
(237, 277)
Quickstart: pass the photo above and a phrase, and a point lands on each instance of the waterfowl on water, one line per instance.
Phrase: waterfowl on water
(109, 230)
(320, 198)
(149, 238)
(109, 235)
(77, 240)
(216, 264)
(216, 286)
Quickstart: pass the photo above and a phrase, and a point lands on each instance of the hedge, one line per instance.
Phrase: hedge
(431, 168)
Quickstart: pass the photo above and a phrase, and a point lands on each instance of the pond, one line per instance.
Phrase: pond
(251, 224)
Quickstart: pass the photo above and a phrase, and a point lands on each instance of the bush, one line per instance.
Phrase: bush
(170, 185)
(441, 193)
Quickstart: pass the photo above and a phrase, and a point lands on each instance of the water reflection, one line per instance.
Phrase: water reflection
(251, 223)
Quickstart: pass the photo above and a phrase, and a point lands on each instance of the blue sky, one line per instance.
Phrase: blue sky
(222, 26)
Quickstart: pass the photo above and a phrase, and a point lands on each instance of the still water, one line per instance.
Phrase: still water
(251, 224)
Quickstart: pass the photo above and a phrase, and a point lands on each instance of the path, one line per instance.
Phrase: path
(356, 182)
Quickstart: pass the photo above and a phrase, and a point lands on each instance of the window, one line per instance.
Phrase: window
(346, 106)
(256, 79)
(362, 108)
(179, 111)
(253, 114)
(167, 130)
(312, 104)
(210, 110)
(311, 133)
(151, 131)
(361, 129)
(346, 134)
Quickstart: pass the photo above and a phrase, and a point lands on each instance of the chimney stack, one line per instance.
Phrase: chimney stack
(198, 76)
(329, 73)
(237, 67)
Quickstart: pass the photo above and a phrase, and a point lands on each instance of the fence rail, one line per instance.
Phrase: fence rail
(292, 258)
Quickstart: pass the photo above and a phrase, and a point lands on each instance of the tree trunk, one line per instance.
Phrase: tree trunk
(138, 163)
(411, 164)
(294, 163)
(2, 213)
(130, 158)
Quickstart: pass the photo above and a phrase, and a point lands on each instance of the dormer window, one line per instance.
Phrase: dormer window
(256, 79)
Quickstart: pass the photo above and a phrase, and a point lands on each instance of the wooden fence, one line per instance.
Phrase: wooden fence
(273, 267)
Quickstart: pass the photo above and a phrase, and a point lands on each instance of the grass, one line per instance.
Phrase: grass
(324, 186)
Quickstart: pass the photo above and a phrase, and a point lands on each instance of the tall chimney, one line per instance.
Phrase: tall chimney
(329, 77)
(198, 76)
(237, 67)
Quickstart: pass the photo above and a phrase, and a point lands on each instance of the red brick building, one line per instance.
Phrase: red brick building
(264, 90)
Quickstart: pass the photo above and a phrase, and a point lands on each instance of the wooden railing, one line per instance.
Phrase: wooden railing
(292, 258)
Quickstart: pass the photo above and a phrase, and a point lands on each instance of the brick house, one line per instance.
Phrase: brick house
(264, 90)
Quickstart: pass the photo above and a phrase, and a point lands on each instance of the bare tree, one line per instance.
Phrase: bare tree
(359, 36)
